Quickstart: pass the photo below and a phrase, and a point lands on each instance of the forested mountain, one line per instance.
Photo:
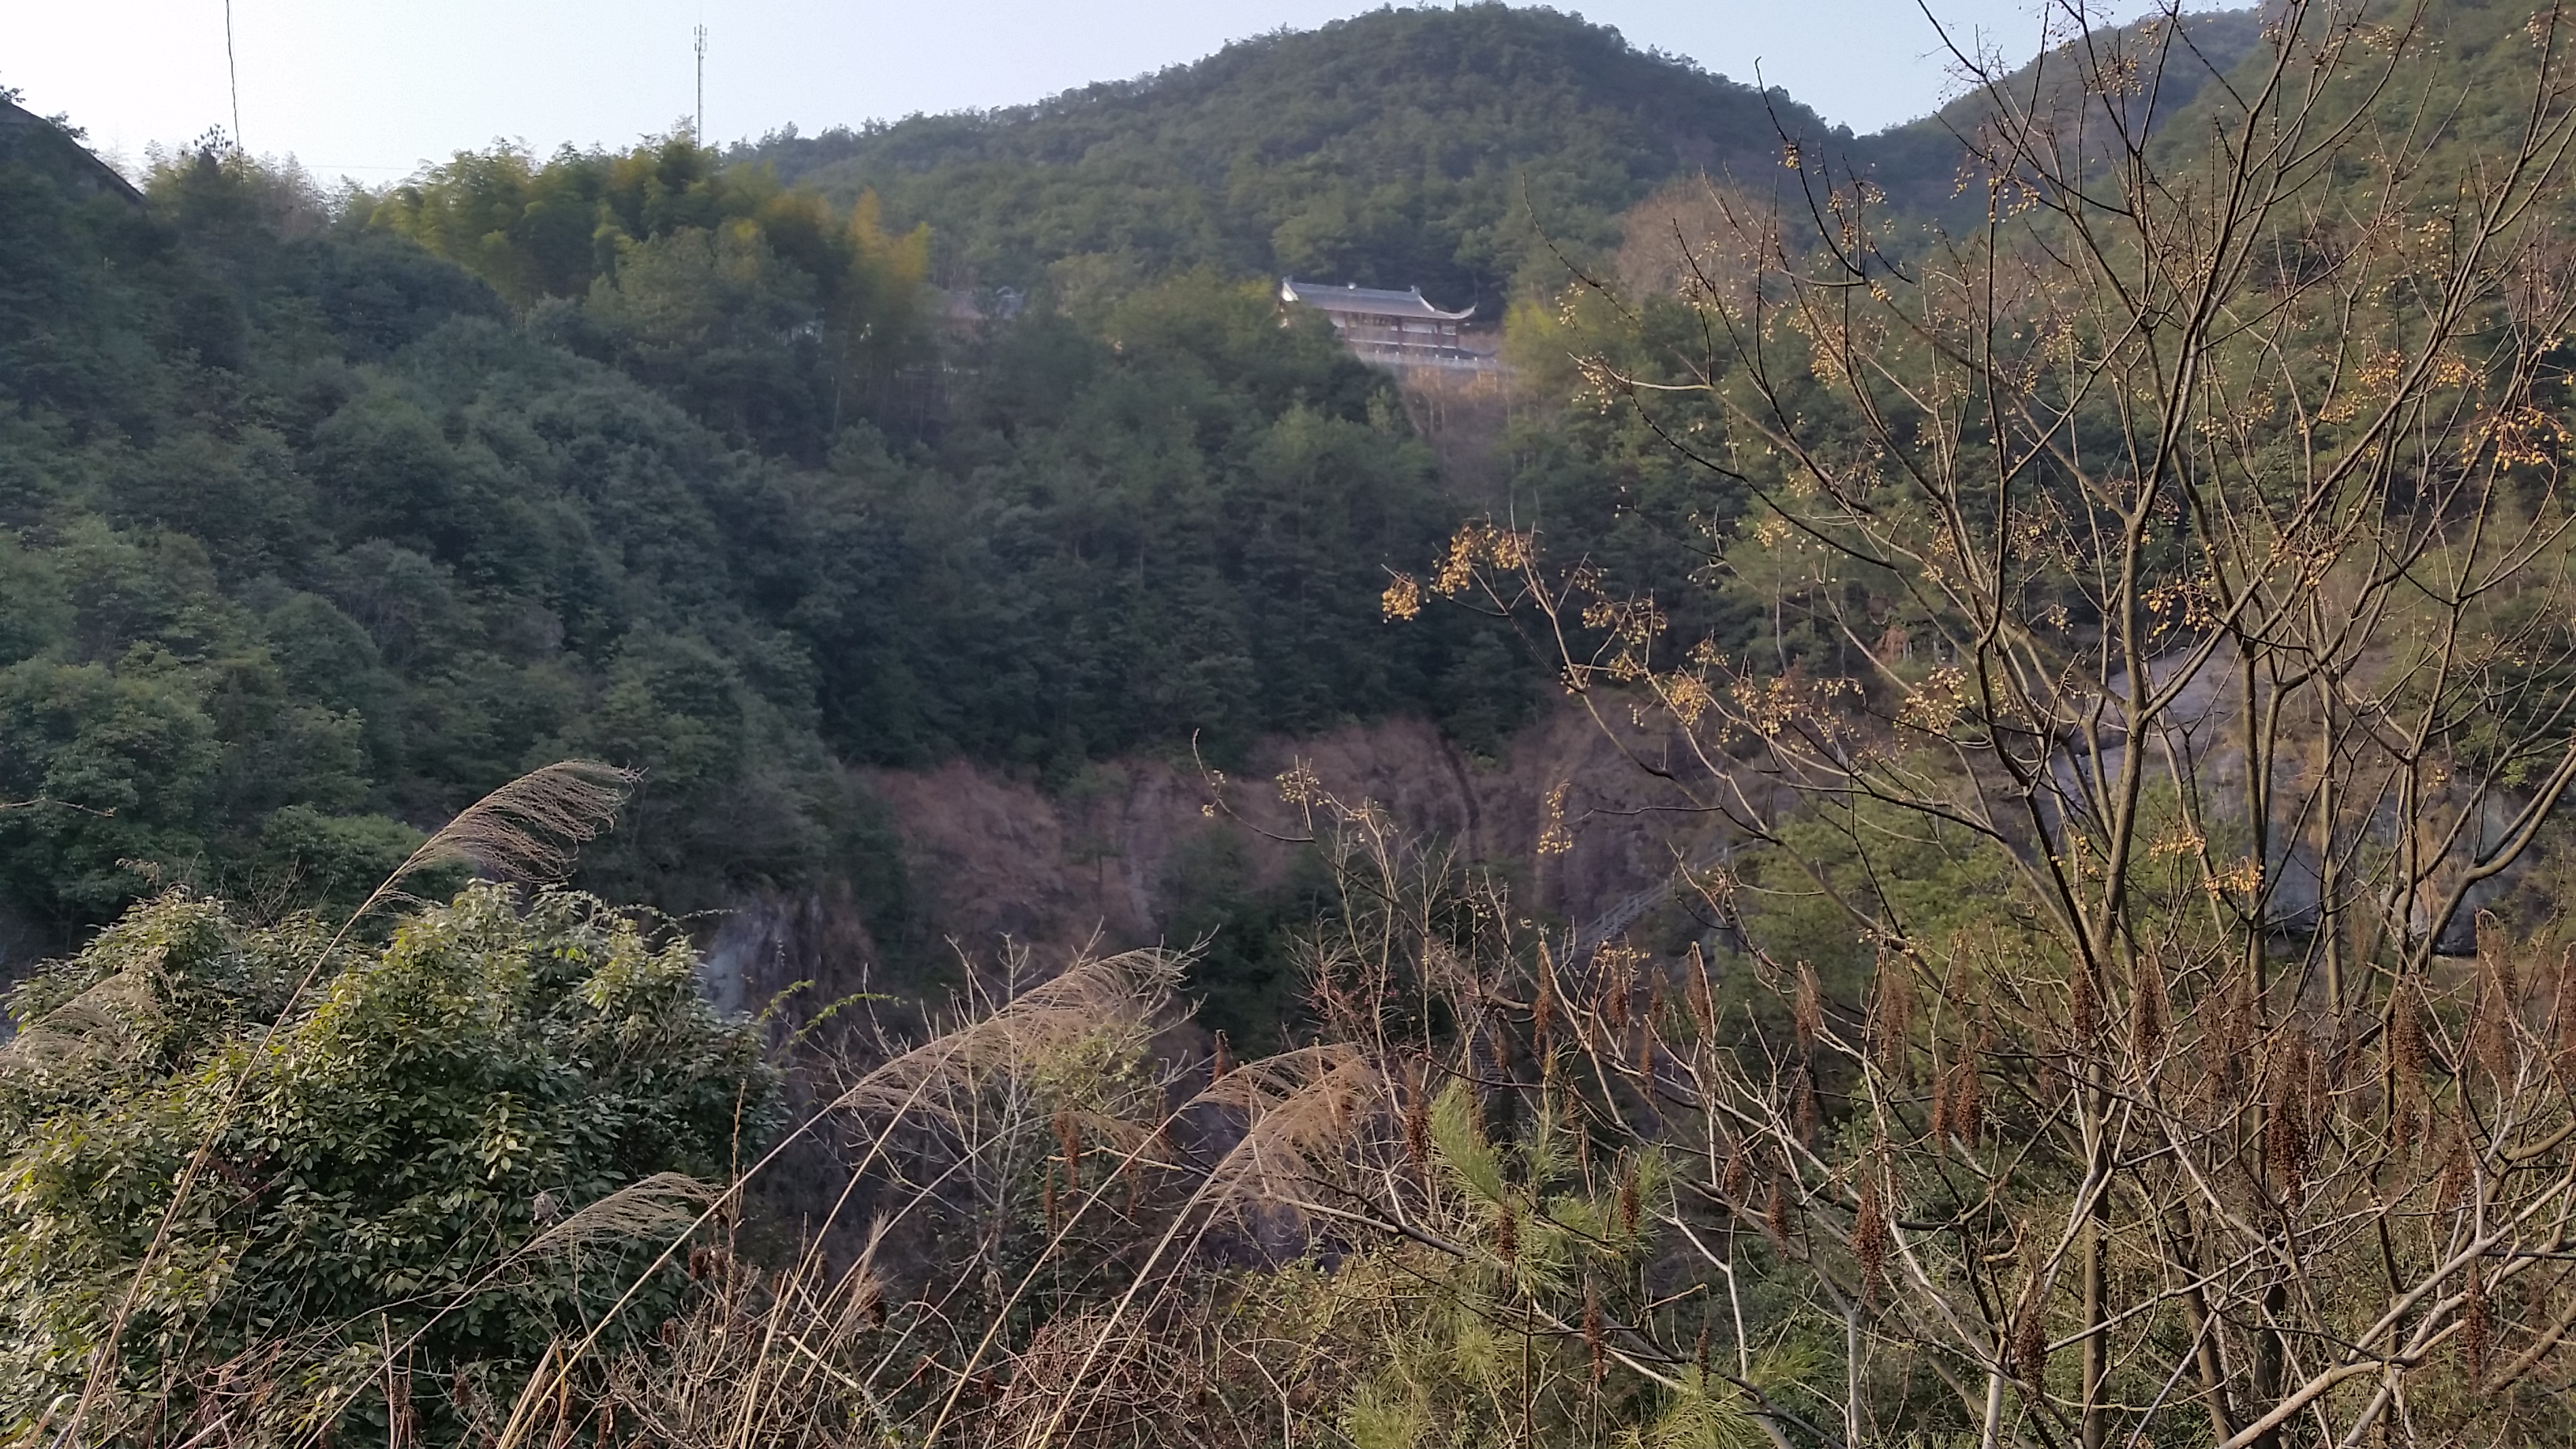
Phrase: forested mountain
(313, 535)
(1440, 148)
(2066, 608)
(1465, 150)
(327, 516)
(1919, 166)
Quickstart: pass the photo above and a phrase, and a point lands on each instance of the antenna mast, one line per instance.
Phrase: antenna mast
(232, 73)
(699, 134)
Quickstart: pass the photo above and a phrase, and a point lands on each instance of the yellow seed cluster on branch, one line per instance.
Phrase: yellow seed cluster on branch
(1402, 599)
(1554, 838)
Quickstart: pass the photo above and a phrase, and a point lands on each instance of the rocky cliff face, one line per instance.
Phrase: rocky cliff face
(995, 860)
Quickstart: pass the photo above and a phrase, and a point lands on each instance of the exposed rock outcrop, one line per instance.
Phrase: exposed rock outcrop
(995, 859)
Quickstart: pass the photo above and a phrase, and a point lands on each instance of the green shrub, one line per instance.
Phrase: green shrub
(383, 1166)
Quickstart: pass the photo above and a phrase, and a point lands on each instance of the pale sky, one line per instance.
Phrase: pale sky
(370, 89)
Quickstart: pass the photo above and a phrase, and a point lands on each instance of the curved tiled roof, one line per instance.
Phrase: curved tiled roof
(1375, 301)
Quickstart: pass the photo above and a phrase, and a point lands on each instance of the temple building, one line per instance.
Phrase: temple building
(1398, 329)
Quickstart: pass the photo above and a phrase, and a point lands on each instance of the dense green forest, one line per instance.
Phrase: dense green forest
(1472, 151)
(1439, 148)
(324, 522)
(328, 514)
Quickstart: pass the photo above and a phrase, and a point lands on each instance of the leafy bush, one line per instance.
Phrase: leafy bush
(381, 1163)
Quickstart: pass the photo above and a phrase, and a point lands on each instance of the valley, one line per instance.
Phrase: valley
(1433, 733)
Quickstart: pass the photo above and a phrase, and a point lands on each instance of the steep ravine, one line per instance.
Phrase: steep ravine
(995, 860)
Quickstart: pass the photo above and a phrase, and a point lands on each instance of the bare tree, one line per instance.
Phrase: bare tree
(2200, 524)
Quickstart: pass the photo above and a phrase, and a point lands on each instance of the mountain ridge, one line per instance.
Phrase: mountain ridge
(1399, 147)
(1458, 149)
